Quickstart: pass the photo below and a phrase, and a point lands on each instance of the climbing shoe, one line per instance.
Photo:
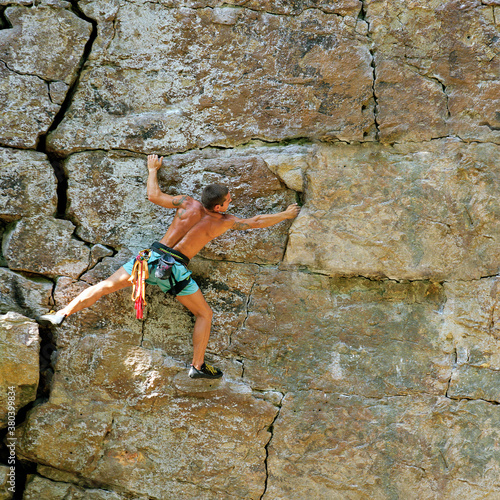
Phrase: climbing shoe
(54, 318)
(206, 371)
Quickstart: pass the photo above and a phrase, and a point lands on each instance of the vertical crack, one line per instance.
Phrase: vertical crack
(454, 365)
(56, 160)
(271, 430)
(363, 16)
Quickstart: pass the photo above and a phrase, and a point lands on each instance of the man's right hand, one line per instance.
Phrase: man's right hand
(154, 163)
(292, 211)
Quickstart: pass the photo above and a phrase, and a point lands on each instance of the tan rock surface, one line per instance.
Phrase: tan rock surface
(345, 447)
(5, 494)
(28, 296)
(436, 67)
(403, 212)
(40, 55)
(27, 185)
(19, 349)
(39, 488)
(45, 245)
(183, 78)
(119, 453)
(111, 206)
(364, 365)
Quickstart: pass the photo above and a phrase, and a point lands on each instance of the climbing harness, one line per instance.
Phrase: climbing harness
(138, 279)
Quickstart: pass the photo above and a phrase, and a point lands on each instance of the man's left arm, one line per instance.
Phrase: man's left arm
(266, 220)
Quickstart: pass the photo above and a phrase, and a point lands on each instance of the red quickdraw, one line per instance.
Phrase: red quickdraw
(138, 278)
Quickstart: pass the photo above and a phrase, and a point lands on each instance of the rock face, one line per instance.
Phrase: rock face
(19, 349)
(359, 343)
(40, 54)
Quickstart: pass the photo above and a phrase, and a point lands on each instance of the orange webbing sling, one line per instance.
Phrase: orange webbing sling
(138, 278)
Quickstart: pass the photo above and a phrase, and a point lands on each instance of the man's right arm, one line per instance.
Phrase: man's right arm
(265, 220)
(155, 194)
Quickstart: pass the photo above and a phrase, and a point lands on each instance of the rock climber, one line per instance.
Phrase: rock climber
(194, 225)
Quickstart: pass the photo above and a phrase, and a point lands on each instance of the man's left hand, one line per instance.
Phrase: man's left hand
(154, 163)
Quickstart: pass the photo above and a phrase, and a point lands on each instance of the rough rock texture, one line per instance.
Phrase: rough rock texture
(5, 494)
(185, 78)
(403, 212)
(28, 185)
(359, 343)
(19, 352)
(40, 54)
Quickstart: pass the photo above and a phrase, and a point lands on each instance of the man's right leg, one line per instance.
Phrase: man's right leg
(90, 296)
(197, 304)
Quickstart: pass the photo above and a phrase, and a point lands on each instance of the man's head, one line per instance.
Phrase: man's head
(214, 195)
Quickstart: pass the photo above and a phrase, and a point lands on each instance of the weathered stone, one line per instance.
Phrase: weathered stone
(19, 346)
(27, 185)
(187, 78)
(403, 212)
(46, 40)
(436, 69)
(27, 110)
(344, 447)
(118, 453)
(39, 488)
(97, 254)
(186, 463)
(307, 331)
(110, 205)
(472, 325)
(95, 368)
(5, 494)
(69, 438)
(43, 46)
(45, 246)
(28, 296)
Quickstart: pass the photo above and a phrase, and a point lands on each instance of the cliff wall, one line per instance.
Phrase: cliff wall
(360, 342)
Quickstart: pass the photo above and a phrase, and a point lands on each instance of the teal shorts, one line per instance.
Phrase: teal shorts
(179, 271)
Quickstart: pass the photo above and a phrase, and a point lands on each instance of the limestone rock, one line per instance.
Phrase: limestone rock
(27, 185)
(122, 449)
(110, 206)
(45, 246)
(218, 77)
(472, 325)
(96, 368)
(413, 448)
(44, 46)
(436, 69)
(54, 435)
(28, 296)
(359, 336)
(60, 37)
(113, 316)
(19, 349)
(39, 488)
(404, 212)
(27, 108)
(5, 494)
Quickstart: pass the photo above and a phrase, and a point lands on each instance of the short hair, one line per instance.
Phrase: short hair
(214, 194)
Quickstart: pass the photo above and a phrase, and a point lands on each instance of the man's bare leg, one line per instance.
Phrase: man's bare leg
(197, 304)
(90, 296)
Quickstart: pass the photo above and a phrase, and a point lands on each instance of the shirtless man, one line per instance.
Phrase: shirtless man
(194, 225)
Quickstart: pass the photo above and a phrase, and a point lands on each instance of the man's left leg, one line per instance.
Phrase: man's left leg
(197, 304)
